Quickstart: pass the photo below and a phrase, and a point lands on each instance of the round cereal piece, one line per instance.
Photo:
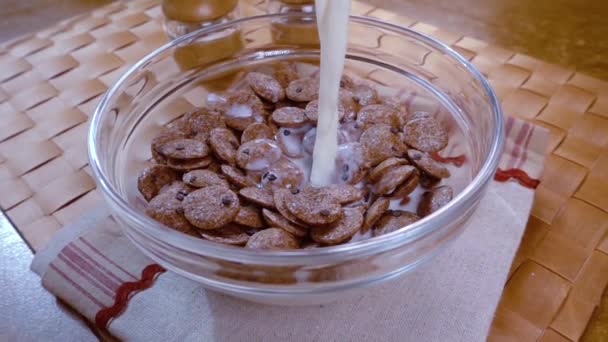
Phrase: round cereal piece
(258, 155)
(214, 166)
(365, 95)
(229, 235)
(203, 178)
(179, 189)
(211, 207)
(289, 103)
(419, 115)
(280, 201)
(340, 231)
(200, 123)
(259, 196)
(427, 181)
(346, 82)
(345, 193)
(257, 131)
(351, 130)
(276, 220)
(348, 105)
(392, 179)
(377, 172)
(375, 211)
(426, 164)
(266, 87)
(237, 177)
(312, 111)
(272, 238)
(303, 89)
(183, 149)
(408, 186)
(381, 142)
(164, 136)
(189, 164)
(249, 216)
(393, 220)
(352, 162)
(243, 109)
(432, 200)
(224, 144)
(290, 141)
(426, 135)
(168, 210)
(379, 114)
(283, 174)
(285, 73)
(309, 244)
(292, 117)
(314, 206)
(153, 178)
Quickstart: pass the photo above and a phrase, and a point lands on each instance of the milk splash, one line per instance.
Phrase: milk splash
(332, 23)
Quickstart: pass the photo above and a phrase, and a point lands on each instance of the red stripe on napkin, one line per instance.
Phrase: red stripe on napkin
(521, 177)
(125, 292)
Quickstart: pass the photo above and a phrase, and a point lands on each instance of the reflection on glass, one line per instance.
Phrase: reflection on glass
(184, 16)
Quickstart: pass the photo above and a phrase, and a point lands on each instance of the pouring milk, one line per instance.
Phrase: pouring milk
(332, 23)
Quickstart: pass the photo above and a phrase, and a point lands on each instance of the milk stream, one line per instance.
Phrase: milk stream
(332, 23)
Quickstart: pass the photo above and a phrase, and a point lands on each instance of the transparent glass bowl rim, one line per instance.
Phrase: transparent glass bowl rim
(438, 220)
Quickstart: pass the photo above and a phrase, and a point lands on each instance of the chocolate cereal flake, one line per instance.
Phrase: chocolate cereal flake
(280, 197)
(224, 144)
(393, 220)
(276, 220)
(211, 207)
(257, 131)
(283, 174)
(392, 179)
(228, 235)
(259, 196)
(315, 206)
(375, 211)
(183, 149)
(303, 90)
(266, 87)
(285, 73)
(189, 164)
(257, 155)
(426, 164)
(203, 178)
(312, 111)
(242, 109)
(272, 238)
(426, 134)
(345, 193)
(365, 95)
(381, 142)
(153, 178)
(378, 172)
(379, 114)
(340, 231)
(236, 177)
(292, 117)
(432, 200)
(168, 210)
(249, 216)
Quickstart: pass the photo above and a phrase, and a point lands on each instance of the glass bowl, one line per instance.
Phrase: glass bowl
(408, 66)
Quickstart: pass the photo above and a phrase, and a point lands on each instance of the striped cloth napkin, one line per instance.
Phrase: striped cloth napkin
(94, 268)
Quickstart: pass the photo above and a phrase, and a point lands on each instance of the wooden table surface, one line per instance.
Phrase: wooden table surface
(572, 106)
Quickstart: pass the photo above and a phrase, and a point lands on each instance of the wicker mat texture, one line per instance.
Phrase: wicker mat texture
(50, 82)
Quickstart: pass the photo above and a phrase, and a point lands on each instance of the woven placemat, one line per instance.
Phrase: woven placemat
(50, 82)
